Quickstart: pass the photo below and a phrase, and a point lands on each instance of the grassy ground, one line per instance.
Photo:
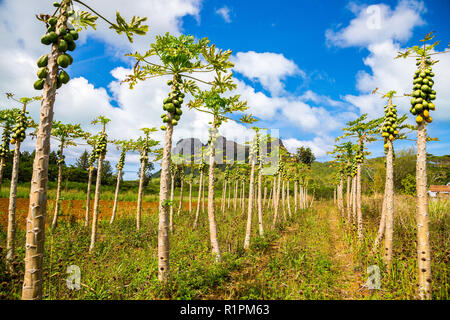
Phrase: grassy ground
(311, 255)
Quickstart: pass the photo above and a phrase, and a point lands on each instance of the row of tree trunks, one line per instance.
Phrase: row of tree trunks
(116, 196)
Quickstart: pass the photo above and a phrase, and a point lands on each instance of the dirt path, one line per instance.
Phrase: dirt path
(350, 278)
(310, 260)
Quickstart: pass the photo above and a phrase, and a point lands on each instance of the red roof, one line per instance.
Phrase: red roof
(440, 188)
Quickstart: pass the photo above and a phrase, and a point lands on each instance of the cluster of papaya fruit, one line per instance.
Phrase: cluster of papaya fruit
(423, 94)
(172, 104)
(359, 158)
(61, 159)
(100, 147)
(65, 39)
(390, 131)
(92, 158)
(121, 162)
(4, 147)
(20, 127)
(144, 154)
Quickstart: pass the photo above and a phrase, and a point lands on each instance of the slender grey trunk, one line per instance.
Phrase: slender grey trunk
(140, 195)
(172, 186)
(197, 210)
(88, 197)
(96, 202)
(11, 233)
(250, 206)
(211, 203)
(116, 196)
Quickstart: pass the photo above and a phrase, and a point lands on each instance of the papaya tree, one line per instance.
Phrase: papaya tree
(7, 118)
(226, 178)
(183, 59)
(143, 145)
(62, 28)
(190, 181)
(182, 168)
(21, 122)
(124, 146)
(277, 190)
(390, 131)
(173, 173)
(92, 141)
(421, 107)
(100, 151)
(253, 158)
(66, 134)
(201, 169)
(364, 132)
(214, 103)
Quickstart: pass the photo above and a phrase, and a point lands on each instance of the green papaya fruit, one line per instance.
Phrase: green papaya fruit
(62, 31)
(70, 58)
(163, 128)
(45, 39)
(68, 37)
(50, 29)
(178, 111)
(52, 21)
(53, 36)
(58, 83)
(432, 96)
(74, 34)
(63, 61)
(71, 45)
(177, 117)
(64, 77)
(425, 88)
(419, 107)
(42, 73)
(174, 122)
(62, 45)
(39, 84)
(56, 4)
(42, 61)
(423, 94)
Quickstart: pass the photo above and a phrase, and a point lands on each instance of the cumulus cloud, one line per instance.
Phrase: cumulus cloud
(319, 145)
(224, 12)
(378, 23)
(268, 68)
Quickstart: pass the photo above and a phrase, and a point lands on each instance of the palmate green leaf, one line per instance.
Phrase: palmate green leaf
(248, 118)
(134, 27)
(85, 20)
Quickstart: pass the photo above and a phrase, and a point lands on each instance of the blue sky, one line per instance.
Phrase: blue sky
(305, 67)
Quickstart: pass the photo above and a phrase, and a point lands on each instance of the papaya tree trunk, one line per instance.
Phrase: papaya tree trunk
(140, 195)
(235, 195)
(358, 198)
(264, 204)
(288, 200)
(98, 184)
(229, 196)
(295, 195)
(341, 196)
(203, 194)
(2, 165)
(58, 188)
(163, 226)
(423, 233)
(224, 195)
(283, 199)
(243, 195)
(116, 196)
(277, 197)
(382, 224)
(349, 217)
(197, 210)
(250, 207)
(353, 201)
(88, 197)
(190, 197)
(211, 203)
(35, 226)
(11, 233)
(172, 187)
(180, 206)
(260, 203)
(389, 219)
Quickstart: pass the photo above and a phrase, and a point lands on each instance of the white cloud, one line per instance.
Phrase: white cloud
(383, 44)
(224, 12)
(378, 23)
(319, 145)
(268, 68)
